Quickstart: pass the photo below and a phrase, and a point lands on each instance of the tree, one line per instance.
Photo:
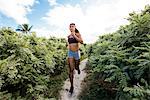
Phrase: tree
(25, 28)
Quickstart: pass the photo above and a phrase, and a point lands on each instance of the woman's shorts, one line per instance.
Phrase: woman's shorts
(74, 54)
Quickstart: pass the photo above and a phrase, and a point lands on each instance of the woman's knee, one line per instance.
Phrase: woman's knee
(71, 63)
(71, 69)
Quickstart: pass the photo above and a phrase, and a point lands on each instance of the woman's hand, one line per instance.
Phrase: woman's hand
(73, 33)
(78, 37)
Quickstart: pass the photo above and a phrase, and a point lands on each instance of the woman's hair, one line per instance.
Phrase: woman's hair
(72, 23)
(76, 30)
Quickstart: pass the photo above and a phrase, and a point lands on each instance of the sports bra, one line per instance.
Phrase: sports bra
(72, 39)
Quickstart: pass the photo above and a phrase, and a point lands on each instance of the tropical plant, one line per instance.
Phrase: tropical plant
(120, 62)
(31, 67)
(25, 28)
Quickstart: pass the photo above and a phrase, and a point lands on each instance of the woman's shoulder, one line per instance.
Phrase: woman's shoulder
(78, 34)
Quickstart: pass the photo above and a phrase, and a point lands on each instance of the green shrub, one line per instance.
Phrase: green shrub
(121, 61)
(31, 67)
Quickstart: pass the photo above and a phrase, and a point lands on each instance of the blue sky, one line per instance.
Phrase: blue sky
(52, 17)
(39, 10)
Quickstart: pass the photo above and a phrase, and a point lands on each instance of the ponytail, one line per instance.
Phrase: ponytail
(76, 30)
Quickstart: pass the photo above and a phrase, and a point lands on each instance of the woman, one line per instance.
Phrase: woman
(73, 52)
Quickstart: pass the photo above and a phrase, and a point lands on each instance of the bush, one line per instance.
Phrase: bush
(120, 62)
(31, 67)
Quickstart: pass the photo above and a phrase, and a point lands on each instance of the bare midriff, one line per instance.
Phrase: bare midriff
(74, 46)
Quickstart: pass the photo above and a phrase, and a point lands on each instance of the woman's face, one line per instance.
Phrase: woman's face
(72, 28)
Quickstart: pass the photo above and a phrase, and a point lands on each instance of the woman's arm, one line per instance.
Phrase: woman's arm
(78, 37)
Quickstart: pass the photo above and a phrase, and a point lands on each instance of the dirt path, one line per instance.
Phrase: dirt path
(65, 95)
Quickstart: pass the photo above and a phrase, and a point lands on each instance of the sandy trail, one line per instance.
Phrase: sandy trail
(78, 78)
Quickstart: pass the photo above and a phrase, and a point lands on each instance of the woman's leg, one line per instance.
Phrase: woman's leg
(71, 72)
(77, 63)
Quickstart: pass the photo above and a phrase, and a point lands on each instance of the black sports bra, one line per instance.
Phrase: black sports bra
(72, 39)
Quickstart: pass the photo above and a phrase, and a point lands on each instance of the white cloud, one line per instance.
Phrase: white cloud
(93, 17)
(17, 9)
(85, 1)
(52, 2)
(41, 32)
(1, 24)
(45, 32)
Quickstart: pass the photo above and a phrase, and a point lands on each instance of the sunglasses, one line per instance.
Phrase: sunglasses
(72, 24)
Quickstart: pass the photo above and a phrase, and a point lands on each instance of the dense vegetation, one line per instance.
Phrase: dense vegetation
(34, 68)
(31, 67)
(119, 63)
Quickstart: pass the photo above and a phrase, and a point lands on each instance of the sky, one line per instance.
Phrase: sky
(52, 17)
